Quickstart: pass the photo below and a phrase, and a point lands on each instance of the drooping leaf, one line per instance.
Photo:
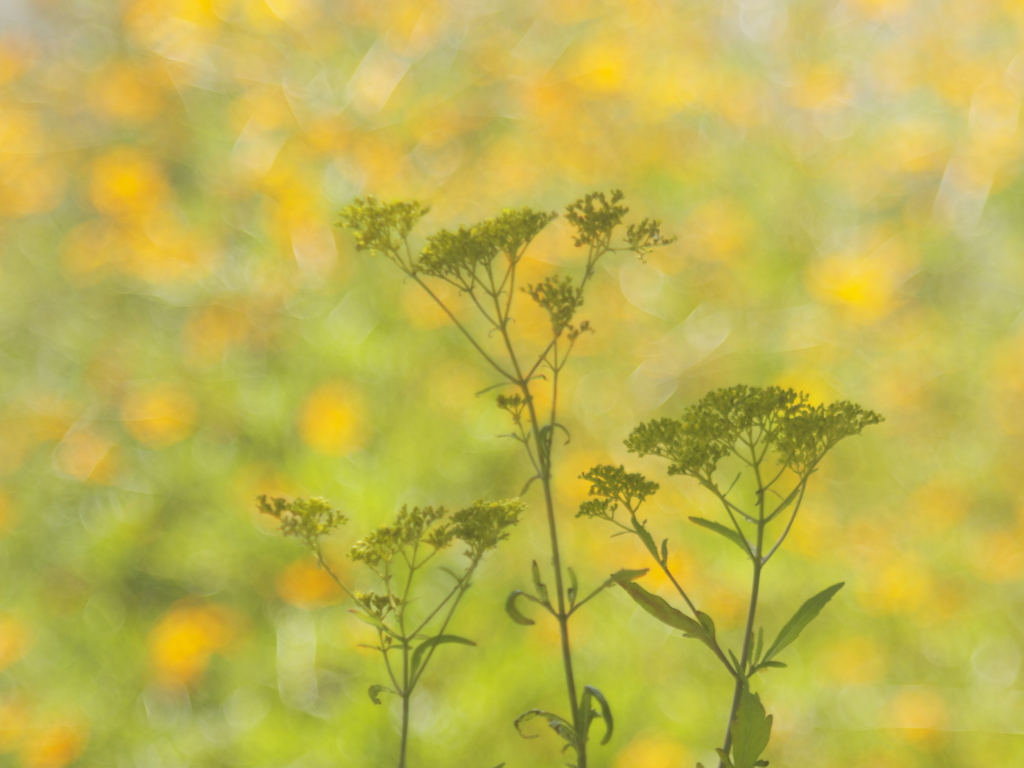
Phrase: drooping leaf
(725, 531)
(590, 692)
(376, 690)
(804, 616)
(751, 729)
(557, 723)
(426, 645)
(513, 611)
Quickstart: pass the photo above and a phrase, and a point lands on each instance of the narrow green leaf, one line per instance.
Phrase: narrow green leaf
(646, 538)
(751, 730)
(804, 616)
(722, 530)
(664, 550)
(726, 762)
(627, 574)
(760, 644)
(513, 612)
(776, 664)
(485, 390)
(376, 690)
(589, 692)
(432, 642)
(539, 586)
(661, 610)
(574, 587)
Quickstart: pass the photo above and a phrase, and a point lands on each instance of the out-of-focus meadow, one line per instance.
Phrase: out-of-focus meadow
(181, 329)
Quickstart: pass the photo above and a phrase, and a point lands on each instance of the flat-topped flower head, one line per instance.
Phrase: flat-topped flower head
(411, 527)
(769, 417)
(484, 524)
(464, 256)
(611, 483)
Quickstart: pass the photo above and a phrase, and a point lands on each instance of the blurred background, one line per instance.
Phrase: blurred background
(182, 328)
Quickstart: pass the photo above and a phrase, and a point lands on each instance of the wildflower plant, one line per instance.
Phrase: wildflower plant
(396, 554)
(773, 440)
(482, 262)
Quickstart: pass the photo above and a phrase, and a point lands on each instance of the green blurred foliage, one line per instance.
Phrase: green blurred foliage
(181, 330)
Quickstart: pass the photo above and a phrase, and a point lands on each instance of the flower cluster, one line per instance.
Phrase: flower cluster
(485, 523)
(411, 527)
(513, 230)
(646, 235)
(744, 416)
(594, 217)
(307, 519)
(480, 526)
(559, 297)
(464, 257)
(456, 256)
(381, 227)
(614, 484)
(377, 605)
(515, 404)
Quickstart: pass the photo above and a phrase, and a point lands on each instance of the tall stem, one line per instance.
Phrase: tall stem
(405, 729)
(748, 632)
(741, 676)
(544, 451)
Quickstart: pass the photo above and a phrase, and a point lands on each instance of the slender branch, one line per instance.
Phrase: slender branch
(464, 585)
(462, 328)
(330, 572)
(729, 506)
(785, 533)
(387, 662)
(423, 624)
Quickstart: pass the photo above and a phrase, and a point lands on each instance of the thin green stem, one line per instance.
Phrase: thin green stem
(463, 586)
(741, 677)
(490, 360)
(405, 727)
(748, 632)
